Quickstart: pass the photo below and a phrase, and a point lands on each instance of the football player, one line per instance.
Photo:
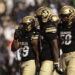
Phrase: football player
(26, 41)
(48, 30)
(66, 33)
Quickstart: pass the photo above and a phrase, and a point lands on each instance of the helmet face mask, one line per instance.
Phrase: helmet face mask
(72, 17)
(64, 18)
(28, 28)
(45, 16)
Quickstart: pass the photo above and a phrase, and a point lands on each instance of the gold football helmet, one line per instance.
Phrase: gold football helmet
(44, 13)
(54, 18)
(67, 10)
(28, 23)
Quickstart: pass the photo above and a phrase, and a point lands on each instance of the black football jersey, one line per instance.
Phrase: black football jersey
(67, 37)
(48, 33)
(26, 48)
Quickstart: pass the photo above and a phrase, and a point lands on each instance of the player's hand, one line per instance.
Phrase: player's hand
(56, 66)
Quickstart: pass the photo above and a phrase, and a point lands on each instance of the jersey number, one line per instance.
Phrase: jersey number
(25, 51)
(66, 39)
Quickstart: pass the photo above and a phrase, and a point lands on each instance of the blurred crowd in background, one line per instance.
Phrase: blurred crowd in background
(11, 11)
